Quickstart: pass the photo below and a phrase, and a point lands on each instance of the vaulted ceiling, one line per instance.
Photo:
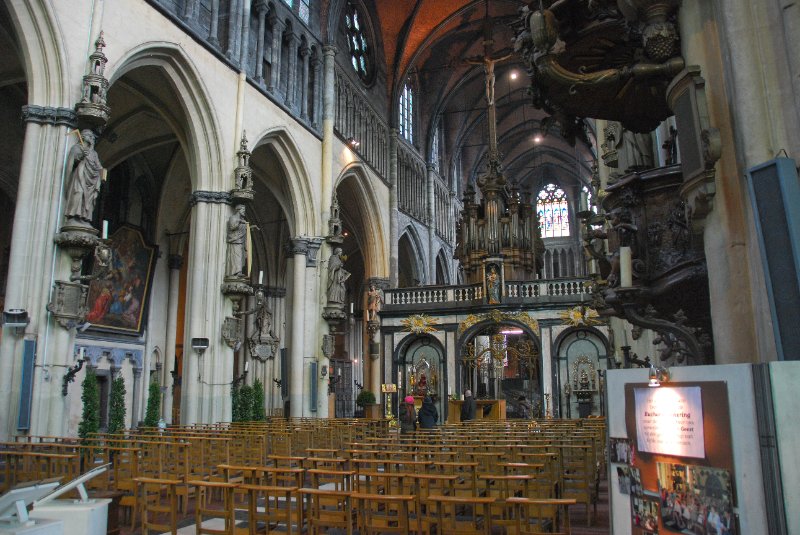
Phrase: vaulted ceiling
(428, 43)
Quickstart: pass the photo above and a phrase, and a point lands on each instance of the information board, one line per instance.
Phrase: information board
(669, 421)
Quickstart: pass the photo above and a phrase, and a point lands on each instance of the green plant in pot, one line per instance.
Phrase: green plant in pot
(365, 398)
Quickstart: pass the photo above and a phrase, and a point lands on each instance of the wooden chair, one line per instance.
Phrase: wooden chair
(339, 480)
(382, 513)
(327, 509)
(204, 511)
(283, 509)
(538, 516)
(150, 502)
(459, 515)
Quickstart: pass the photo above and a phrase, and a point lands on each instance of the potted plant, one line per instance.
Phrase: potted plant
(366, 400)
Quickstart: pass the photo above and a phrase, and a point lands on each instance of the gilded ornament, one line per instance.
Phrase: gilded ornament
(420, 324)
(580, 316)
(496, 316)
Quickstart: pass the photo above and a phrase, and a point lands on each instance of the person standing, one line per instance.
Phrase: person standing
(468, 408)
(428, 415)
(408, 416)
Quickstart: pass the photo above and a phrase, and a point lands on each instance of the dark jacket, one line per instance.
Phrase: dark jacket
(408, 418)
(428, 415)
(468, 409)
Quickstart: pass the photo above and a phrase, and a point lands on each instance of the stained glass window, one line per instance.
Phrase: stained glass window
(289, 3)
(305, 10)
(357, 41)
(551, 206)
(407, 114)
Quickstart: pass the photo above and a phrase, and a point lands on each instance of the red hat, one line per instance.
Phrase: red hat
(409, 399)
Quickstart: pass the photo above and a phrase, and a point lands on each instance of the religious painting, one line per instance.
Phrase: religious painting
(696, 498)
(118, 300)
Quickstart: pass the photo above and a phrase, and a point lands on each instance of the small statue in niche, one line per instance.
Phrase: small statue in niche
(335, 222)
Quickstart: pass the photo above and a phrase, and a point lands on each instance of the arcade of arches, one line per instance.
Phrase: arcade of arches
(335, 195)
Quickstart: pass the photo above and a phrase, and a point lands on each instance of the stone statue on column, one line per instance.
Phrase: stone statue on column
(337, 276)
(236, 238)
(374, 302)
(85, 177)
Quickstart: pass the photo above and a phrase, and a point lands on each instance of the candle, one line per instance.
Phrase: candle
(105, 229)
(584, 202)
(261, 277)
(625, 267)
(246, 366)
(351, 309)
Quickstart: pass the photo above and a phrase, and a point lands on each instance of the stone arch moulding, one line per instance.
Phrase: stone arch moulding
(563, 335)
(474, 323)
(441, 257)
(410, 233)
(200, 136)
(303, 214)
(402, 346)
(377, 247)
(42, 48)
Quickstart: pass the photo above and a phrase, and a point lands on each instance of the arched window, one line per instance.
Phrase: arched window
(305, 10)
(407, 114)
(357, 41)
(551, 206)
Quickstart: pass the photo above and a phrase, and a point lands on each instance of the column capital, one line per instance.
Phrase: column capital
(276, 22)
(305, 50)
(298, 245)
(329, 50)
(32, 113)
(213, 197)
(261, 6)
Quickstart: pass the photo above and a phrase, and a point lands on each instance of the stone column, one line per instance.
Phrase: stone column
(304, 52)
(316, 67)
(430, 215)
(245, 39)
(213, 31)
(277, 43)
(173, 298)
(207, 377)
(36, 220)
(299, 249)
(261, 9)
(190, 11)
(291, 86)
(393, 221)
(234, 30)
(135, 410)
(328, 119)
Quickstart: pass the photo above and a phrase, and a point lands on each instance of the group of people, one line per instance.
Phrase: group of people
(689, 514)
(428, 415)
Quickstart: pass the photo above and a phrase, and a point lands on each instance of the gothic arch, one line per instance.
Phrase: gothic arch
(294, 193)
(442, 266)
(410, 258)
(373, 242)
(198, 131)
(42, 50)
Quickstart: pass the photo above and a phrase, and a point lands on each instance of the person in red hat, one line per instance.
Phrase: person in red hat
(408, 416)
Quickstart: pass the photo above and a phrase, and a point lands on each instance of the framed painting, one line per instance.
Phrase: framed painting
(118, 301)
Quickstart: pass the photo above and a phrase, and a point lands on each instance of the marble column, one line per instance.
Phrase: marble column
(261, 10)
(277, 43)
(207, 376)
(36, 220)
(293, 42)
(304, 52)
(328, 119)
(298, 249)
(173, 300)
(393, 209)
(137, 397)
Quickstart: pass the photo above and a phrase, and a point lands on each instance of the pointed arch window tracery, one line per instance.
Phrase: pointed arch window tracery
(357, 42)
(553, 211)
